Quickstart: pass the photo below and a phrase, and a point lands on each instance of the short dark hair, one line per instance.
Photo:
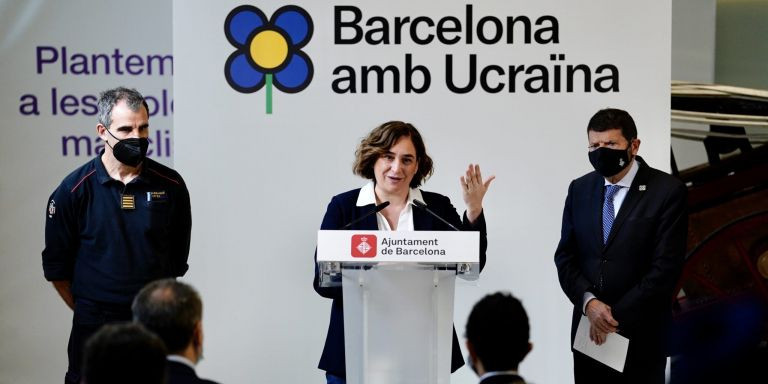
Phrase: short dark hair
(124, 353)
(499, 332)
(613, 118)
(171, 309)
(109, 98)
(380, 140)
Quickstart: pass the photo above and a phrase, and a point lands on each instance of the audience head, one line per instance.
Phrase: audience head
(124, 353)
(497, 333)
(174, 311)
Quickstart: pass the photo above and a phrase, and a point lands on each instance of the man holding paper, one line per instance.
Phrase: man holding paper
(621, 251)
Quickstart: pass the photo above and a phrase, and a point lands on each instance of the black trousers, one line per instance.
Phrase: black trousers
(88, 317)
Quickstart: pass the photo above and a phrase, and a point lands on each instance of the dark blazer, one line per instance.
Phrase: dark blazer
(636, 271)
(179, 373)
(503, 379)
(342, 210)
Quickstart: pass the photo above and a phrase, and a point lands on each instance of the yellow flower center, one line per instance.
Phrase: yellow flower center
(269, 49)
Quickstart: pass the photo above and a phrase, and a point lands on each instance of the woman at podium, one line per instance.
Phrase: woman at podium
(394, 160)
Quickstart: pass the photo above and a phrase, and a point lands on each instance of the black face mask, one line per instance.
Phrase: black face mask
(609, 162)
(130, 152)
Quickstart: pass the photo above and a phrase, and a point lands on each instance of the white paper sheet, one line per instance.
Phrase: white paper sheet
(613, 352)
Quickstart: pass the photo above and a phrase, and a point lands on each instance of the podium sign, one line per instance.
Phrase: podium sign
(398, 300)
(453, 250)
(398, 246)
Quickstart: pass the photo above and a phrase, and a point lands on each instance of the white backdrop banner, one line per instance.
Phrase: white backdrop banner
(272, 98)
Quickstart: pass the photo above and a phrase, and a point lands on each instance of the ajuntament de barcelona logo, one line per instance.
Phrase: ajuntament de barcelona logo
(268, 50)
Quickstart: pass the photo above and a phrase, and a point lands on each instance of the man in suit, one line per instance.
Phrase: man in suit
(124, 353)
(497, 338)
(174, 311)
(621, 251)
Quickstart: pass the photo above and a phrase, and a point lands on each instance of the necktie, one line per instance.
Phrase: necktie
(608, 213)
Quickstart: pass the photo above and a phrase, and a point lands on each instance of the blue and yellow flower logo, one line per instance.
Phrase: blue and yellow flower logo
(268, 52)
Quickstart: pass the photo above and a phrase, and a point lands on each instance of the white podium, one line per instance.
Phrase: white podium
(398, 300)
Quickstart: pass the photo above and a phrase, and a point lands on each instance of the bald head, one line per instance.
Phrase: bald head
(171, 309)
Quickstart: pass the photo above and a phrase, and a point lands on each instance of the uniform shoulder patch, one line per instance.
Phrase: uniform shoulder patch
(51, 208)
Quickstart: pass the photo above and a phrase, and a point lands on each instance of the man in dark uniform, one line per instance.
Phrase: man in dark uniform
(114, 224)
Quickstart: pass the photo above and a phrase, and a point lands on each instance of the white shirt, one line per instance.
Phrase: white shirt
(182, 360)
(618, 199)
(497, 373)
(367, 196)
(625, 183)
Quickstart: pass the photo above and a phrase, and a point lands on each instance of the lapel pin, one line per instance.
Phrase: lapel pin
(641, 188)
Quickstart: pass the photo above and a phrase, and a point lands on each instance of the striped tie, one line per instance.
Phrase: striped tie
(608, 210)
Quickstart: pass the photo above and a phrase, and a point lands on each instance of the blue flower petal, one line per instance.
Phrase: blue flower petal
(296, 22)
(241, 75)
(296, 75)
(241, 22)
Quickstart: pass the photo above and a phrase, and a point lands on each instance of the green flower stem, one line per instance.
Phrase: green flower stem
(269, 93)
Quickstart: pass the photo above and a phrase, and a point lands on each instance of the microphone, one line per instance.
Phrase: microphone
(374, 211)
(420, 204)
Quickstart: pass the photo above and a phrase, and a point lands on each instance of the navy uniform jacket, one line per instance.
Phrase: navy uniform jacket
(641, 262)
(341, 210)
(106, 251)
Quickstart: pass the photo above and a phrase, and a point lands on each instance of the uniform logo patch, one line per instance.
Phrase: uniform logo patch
(157, 196)
(363, 246)
(51, 209)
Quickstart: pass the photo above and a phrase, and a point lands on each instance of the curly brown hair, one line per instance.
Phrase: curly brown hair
(380, 140)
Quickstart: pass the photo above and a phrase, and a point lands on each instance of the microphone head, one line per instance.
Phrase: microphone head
(382, 206)
(419, 203)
